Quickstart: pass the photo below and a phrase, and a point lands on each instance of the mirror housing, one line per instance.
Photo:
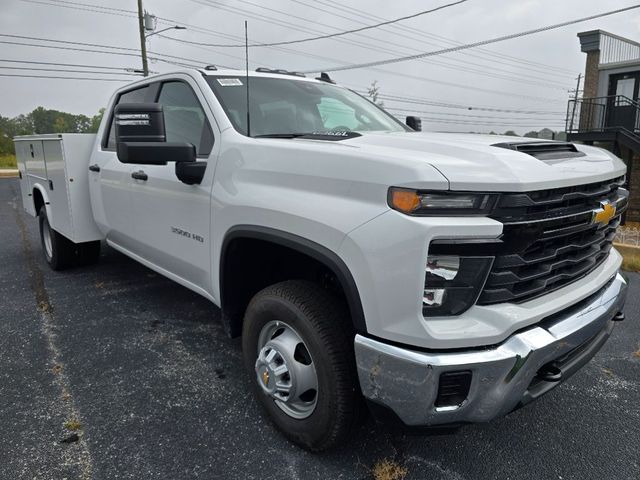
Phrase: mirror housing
(139, 122)
(414, 123)
(141, 136)
(155, 153)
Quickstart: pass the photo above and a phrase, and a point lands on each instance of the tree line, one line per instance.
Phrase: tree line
(42, 120)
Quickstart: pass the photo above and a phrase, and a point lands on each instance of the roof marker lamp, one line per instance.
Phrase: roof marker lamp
(414, 202)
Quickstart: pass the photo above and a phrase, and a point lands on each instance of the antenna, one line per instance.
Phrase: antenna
(246, 57)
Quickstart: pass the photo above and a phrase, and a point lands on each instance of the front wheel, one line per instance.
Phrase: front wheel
(298, 349)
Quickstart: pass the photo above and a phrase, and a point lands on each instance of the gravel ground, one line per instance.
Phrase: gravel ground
(143, 372)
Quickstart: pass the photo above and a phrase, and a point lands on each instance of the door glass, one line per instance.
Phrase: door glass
(133, 96)
(184, 118)
(625, 86)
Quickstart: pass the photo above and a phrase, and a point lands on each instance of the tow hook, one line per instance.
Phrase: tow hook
(550, 373)
(618, 317)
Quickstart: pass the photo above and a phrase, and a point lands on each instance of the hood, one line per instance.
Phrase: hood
(473, 162)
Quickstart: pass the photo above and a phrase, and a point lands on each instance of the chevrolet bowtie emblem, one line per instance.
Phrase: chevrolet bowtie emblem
(265, 377)
(604, 214)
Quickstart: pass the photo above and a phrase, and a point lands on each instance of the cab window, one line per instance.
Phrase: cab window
(184, 118)
(139, 95)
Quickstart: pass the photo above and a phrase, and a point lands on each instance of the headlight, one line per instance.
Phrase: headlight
(413, 202)
(452, 283)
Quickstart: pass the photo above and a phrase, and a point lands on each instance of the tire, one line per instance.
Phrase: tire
(59, 251)
(320, 322)
(88, 252)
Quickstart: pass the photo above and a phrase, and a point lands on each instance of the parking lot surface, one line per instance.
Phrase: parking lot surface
(141, 371)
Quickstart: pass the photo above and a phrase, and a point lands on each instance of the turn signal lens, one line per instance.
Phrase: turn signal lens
(404, 200)
(414, 202)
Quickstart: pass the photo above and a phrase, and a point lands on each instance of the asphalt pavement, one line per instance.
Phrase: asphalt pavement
(113, 372)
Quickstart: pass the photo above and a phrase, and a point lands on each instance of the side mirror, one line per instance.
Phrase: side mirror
(415, 123)
(141, 137)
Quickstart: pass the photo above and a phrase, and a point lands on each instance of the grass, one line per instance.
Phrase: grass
(630, 257)
(8, 160)
(388, 470)
(72, 425)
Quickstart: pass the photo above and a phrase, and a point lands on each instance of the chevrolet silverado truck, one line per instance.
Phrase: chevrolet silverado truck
(432, 279)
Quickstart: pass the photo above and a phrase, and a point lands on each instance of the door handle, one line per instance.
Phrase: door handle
(94, 168)
(140, 175)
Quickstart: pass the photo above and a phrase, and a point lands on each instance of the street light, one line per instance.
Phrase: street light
(175, 27)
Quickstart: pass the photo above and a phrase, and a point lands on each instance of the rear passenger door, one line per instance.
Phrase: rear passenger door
(110, 180)
(172, 219)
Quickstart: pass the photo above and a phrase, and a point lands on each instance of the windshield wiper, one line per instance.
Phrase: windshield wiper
(282, 135)
(329, 135)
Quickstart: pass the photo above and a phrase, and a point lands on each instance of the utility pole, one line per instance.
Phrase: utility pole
(575, 103)
(143, 41)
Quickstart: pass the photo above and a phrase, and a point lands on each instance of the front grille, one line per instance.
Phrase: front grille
(550, 239)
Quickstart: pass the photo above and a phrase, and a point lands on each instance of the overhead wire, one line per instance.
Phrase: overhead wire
(65, 64)
(344, 32)
(472, 45)
(68, 70)
(419, 35)
(211, 3)
(65, 77)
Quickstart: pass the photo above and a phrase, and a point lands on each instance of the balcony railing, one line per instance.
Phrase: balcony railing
(600, 114)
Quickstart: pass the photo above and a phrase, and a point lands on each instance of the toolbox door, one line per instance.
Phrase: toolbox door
(22, 150)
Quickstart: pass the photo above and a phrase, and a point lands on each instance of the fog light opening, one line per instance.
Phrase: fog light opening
(453, 389)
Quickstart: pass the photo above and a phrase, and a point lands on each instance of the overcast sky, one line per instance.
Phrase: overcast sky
(533, 73)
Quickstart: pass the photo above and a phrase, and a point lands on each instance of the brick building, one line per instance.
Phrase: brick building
(608, 114)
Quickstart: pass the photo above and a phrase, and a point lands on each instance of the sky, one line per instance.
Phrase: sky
(535, 73)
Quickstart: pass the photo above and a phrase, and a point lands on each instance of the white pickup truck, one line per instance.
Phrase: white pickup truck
(443, 278)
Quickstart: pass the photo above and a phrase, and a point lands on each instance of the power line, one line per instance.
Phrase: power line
(472, 45)
(40, 39)
(344, 32)
(65, 64)
(281, 23)
(196, 63)
(483, 123)
(420, 101)
(65, 78)
(69, 48)
(422, 34)
(97, 6)
(104, 10)
(464, 115)
(466, 86)
(67, 70)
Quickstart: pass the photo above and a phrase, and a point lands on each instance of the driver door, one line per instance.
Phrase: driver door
(172, 220)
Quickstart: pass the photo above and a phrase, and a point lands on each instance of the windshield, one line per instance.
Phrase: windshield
(287, 106)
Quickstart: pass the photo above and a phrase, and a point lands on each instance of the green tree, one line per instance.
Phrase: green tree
(60, 125)
(511, 133)
(95, 121)
(42, 120)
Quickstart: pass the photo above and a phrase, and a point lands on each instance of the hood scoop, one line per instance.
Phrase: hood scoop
(544, 150)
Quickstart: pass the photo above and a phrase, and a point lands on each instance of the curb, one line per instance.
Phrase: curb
(12, 173)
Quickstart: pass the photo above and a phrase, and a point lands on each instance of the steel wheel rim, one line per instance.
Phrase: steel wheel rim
(285, 370)
(46, 237)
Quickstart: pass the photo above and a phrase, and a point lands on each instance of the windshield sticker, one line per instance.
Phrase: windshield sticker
(229, 82)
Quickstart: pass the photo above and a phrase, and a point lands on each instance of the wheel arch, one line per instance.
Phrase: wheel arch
(40, 198)
(233, 304)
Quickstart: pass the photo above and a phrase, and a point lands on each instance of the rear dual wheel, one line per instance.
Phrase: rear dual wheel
(299, 354)
(59, 251)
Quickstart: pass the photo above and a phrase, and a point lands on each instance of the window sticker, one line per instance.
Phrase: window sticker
(229, 82)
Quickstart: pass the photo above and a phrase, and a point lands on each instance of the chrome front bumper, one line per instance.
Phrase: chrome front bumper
(504, 377)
